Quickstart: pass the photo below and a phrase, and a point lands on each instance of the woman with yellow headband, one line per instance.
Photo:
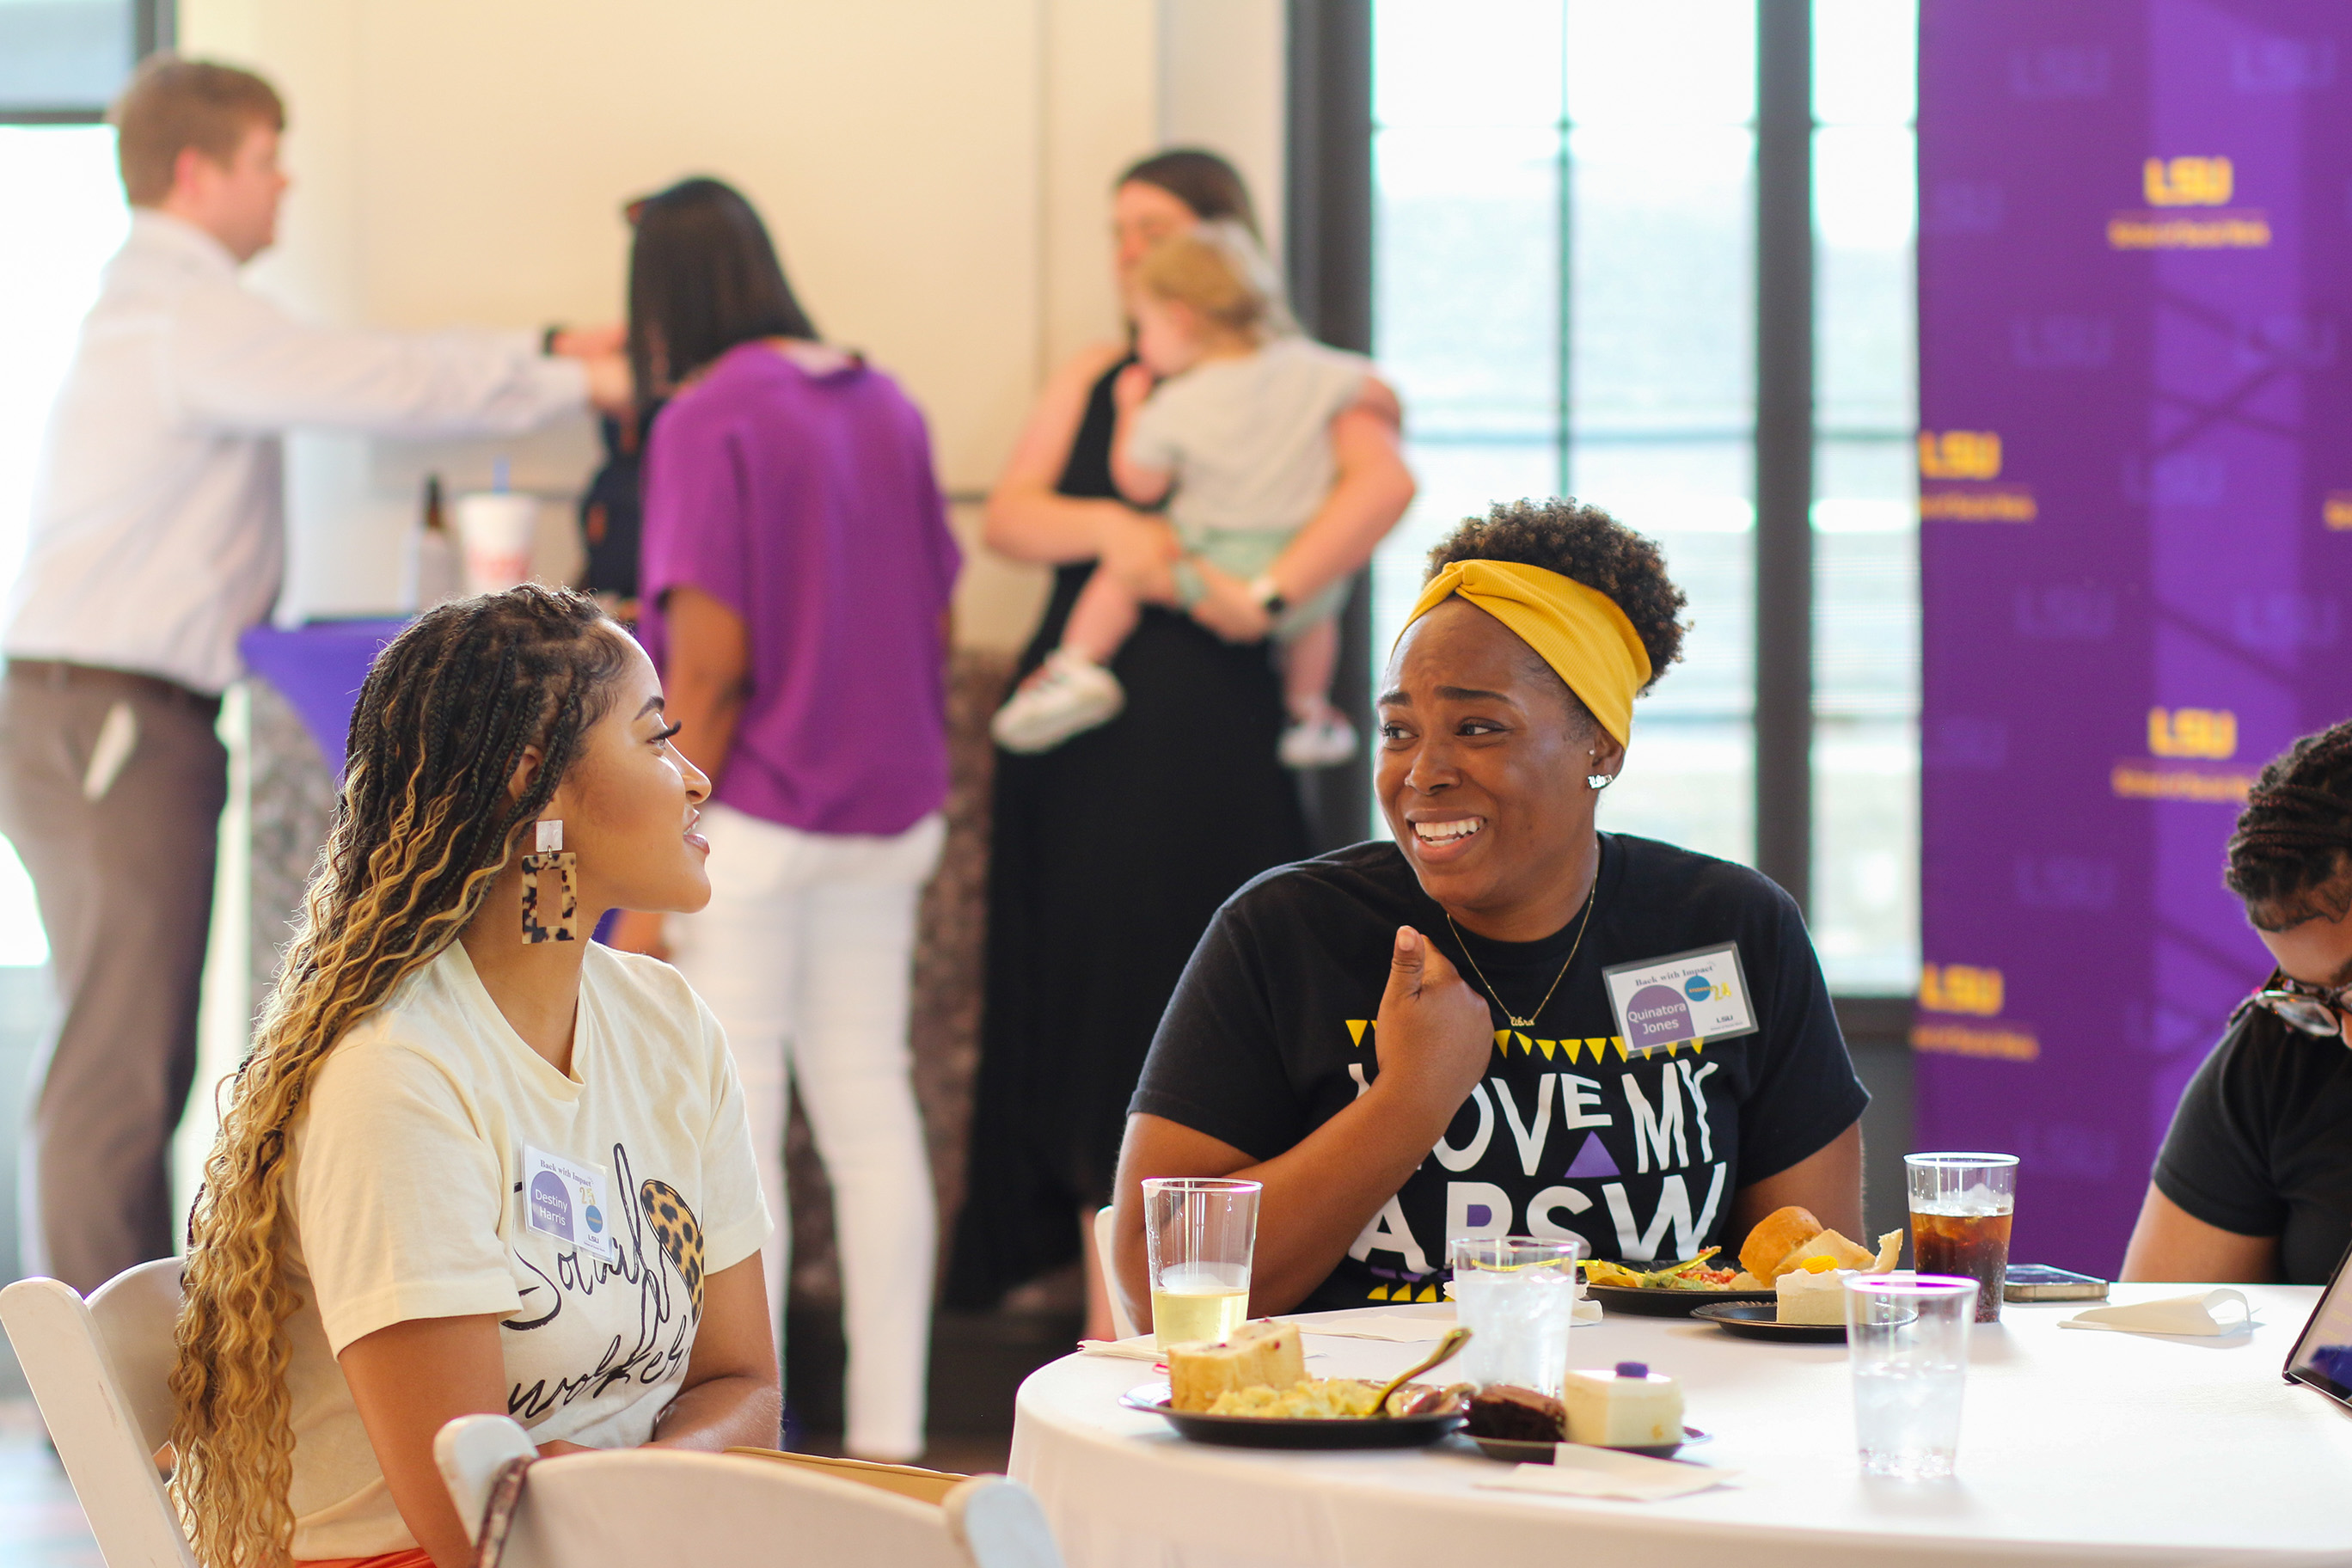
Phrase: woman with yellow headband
(1505, 1022)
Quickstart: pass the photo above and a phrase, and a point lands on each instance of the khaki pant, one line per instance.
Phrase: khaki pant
(121, 853)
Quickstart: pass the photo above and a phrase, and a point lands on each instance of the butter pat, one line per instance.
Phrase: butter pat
(1813, 1296)
(1628, 1407)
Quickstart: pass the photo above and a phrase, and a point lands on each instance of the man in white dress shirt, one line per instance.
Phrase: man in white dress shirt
(156, 539)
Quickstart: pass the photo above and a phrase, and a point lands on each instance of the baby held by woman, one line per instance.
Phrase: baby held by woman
(1236, 437)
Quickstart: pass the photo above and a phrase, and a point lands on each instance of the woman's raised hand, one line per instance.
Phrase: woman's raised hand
(1435, 1033)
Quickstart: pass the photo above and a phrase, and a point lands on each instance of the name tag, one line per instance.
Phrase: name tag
(1701, 994)
(565, 1199)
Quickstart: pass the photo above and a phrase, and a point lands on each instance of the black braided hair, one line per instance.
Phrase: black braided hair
(2292, 846)
(1586, 544)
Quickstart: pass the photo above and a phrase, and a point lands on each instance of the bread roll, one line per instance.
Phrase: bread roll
(1258, 1355)
(1769, 1248)
(1829, 1244)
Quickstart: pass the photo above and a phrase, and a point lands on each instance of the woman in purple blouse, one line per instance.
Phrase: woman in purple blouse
(795, 577)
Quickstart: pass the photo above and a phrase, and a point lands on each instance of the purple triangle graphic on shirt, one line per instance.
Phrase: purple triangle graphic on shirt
(1593, 1159)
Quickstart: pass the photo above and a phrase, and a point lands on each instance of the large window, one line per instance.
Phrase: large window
(60, 61)
(1567, 296)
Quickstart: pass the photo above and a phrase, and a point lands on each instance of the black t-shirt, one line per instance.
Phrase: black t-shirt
(2261, 1144)
(1270, 1035)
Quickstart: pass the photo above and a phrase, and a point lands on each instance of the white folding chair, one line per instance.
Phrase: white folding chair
(637, 1508)
(100, 1370)
(1105, 1235)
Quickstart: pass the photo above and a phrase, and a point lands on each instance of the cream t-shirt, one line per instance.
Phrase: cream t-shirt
(437, 1168)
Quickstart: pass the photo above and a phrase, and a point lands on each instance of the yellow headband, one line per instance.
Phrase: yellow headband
(1579, 631)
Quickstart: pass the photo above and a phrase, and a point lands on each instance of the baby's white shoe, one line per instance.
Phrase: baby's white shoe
(1323, 742)
(1069, 695)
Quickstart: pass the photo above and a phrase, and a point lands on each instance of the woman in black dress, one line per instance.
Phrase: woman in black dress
(1111, 852)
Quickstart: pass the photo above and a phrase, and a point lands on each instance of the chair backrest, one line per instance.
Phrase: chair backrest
(99, 1371)
(1105, 1236)
(636, 1506)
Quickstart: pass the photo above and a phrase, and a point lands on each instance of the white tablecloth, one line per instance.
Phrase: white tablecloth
(2076, 1447)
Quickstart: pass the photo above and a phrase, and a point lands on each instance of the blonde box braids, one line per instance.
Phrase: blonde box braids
(424, 825)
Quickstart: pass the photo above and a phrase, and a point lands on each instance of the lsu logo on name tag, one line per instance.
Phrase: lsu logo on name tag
(567, 1200)
(1701, 994)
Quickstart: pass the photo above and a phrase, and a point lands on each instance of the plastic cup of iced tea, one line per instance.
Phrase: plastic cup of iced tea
(1961, 1206)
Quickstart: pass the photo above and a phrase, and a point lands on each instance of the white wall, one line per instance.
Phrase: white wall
(935, 172)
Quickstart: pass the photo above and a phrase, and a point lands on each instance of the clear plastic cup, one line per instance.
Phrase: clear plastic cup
(1199, 1235)
(1961, 1206)
(495, 530)
(1516, 1295)
(1906, 1340)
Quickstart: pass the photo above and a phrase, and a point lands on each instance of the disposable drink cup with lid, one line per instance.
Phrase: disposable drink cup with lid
(1199, 1234)
(1907, 1339)
(495, 529)
(1961, 1206)
(1516, 1295)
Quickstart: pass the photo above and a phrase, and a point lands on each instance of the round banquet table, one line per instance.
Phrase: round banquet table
(2074, 1447)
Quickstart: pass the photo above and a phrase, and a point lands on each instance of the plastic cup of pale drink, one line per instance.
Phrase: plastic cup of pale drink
(1907, 1339)
(1198, 1235)
(1516, 1295)
(495, 529)
(1961, 1206)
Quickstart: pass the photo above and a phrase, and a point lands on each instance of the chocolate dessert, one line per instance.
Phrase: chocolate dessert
(1519, 1414)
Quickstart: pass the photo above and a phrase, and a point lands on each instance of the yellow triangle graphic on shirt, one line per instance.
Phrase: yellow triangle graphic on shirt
(1599, 1050)
(1619, 1041)
(1356, 1027)
(1379, 1293)
(1698, 1046)
(1428, 1293)
(1527, 1046)
(1503, 1041)
(1672, 1046)
(1549, 1046)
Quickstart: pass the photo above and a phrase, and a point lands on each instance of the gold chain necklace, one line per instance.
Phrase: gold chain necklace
(1591, 899)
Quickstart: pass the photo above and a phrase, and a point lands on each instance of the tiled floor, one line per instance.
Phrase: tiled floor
(41, 1526)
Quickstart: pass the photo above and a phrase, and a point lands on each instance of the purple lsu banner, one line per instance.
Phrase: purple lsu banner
(2136, 548)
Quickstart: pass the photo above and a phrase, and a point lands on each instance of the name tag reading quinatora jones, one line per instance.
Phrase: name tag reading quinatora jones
(1701, 994)
(566, 1200)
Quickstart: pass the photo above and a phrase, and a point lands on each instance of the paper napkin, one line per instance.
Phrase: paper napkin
(1581, 1471)
(1142, 1347)
(1409, 1328)
(2190, 1314)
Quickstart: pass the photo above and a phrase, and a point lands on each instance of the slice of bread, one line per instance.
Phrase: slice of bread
(1829, 1244)
(1770, 1246)
(1258, 1355)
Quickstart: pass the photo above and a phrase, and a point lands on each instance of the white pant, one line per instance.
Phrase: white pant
(806, 954)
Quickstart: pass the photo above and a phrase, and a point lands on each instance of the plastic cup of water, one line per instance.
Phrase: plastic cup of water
(1516, 1295)
(495, 529)
(1907, 1339)
(1198, 1235)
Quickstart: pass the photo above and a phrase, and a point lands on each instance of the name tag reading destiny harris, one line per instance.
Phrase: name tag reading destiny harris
(566, 1199)
(1701, 994)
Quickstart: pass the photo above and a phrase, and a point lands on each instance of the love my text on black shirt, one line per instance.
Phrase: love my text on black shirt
(1271, 1032)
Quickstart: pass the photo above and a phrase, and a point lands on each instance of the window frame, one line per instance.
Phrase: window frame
(154, 24)
(1332, 126)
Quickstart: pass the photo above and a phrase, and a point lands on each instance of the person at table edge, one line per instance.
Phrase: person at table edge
(1409, 1041)
(2253, 1185)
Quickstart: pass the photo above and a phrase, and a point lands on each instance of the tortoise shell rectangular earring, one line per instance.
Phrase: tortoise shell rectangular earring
(551, 856)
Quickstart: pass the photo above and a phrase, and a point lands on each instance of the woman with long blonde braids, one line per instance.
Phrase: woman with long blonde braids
(475, 1163)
